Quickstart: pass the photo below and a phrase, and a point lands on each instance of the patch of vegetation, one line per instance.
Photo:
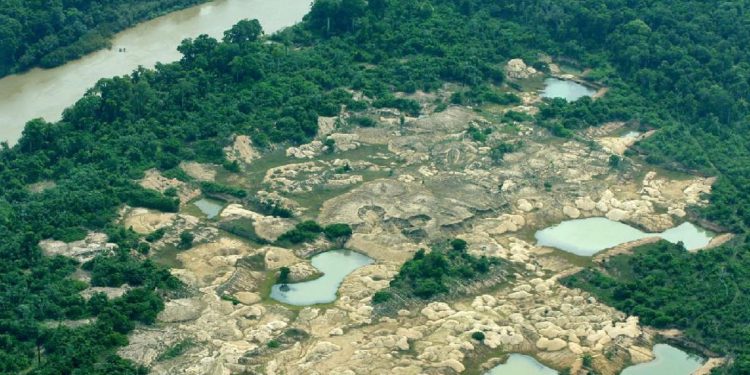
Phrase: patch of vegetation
(272, 208)
(216, 188)
(156, 235)
(428, 275)
(497, 153)
(232, 166)
(381, 296)
(346, 168)
(408, 106)
(283, 275)
(484, 94)
(273, 344)
(338, 232)
(514, 116)
(614, 161)
(363, 121)
(478, 135)
(123, 268)
(478, 335)
(230, 298)
(330, 145)
(306, 231)
(176, 350)
(186, 239)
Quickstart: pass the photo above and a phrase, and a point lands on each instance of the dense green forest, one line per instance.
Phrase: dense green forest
(48, 33)
(678, 66)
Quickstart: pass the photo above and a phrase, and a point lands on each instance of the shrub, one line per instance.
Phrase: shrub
(337, 231)
(232, 166)
(381, 296)
(497, 153)
(186, 239)
(305, 231)
(478, 335)
(614, 161)
(362, 121)
(156, 235)
(330, 145)
(459, 245)
(283, 275)
(215, 188)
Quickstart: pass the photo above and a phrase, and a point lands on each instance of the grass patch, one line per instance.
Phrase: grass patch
(176, 350)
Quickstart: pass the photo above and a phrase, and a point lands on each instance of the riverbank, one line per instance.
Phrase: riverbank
(46, 93)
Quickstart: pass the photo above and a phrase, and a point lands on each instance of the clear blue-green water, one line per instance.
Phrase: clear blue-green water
(210, 207)
(334, 265)
(587, 237)
(669, 361)
(519, 364)
(568, 90)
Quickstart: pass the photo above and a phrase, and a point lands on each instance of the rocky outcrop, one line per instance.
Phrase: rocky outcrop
(306, 151)
(241, 150)
(268, 228)
(82, 251)
(517, 69)
(154, 180)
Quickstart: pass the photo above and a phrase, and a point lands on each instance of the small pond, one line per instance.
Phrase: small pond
(586, 237)
(334, 265)
(519, 364)
(210, 207)
(568, 90)
(669, 360)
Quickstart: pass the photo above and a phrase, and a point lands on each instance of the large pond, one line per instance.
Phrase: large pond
(519, 364)
(45, 93)
(210, 207)
(568, 90)
(587, 237)
(669, 360)
(334, 265)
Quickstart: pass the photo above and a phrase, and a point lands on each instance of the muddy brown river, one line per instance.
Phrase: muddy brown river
(46, 93)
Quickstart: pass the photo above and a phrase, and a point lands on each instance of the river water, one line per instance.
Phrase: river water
(45, 93)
